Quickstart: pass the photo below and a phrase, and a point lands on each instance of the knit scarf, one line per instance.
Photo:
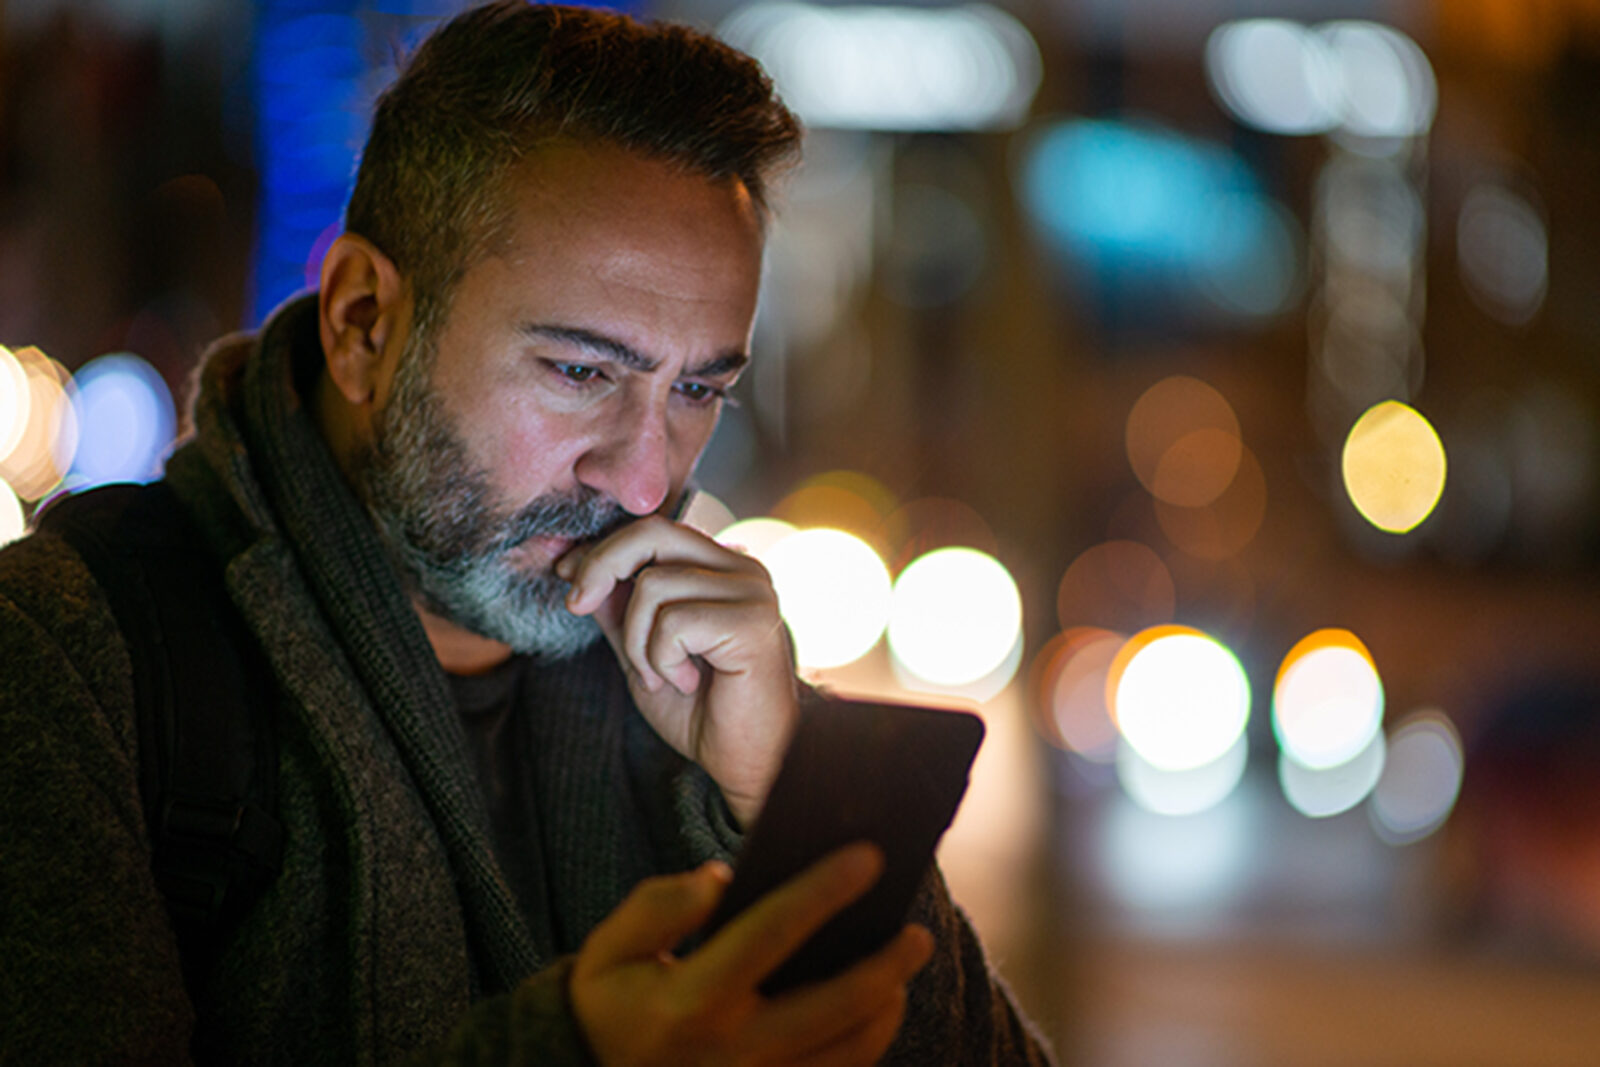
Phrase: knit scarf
(363, 601)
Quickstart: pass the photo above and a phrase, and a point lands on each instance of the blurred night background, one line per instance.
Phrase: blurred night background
(1209, 390)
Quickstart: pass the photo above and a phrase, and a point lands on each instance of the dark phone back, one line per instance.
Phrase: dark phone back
(888, 773)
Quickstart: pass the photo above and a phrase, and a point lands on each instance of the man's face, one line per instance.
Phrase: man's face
(574, 382)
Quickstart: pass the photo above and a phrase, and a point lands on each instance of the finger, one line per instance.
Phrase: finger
(769, 931)
(656, 916)
(665, 650)
(817, 1015)
(653, 539)
(863, 1046)
(728, 635)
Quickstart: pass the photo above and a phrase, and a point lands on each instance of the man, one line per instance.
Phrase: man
(521, 715)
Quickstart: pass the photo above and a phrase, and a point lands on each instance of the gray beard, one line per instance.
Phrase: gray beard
(436, 519)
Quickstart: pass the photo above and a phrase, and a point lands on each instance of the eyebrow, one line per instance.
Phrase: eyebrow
(625, 354)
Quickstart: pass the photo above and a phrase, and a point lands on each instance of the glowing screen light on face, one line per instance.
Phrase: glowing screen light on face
(1394, 467)
(957, 616)
(833, 591)
(127, 419)
(1180, 697)
(1420, 781)
(1327, 704)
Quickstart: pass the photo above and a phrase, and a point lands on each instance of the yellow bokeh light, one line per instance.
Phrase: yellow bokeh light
(1327, 703)
(841, 500)
(1179, 696)
(12, 521)
(1394, 467)
(43, 453)
(833, 591)
(957, 616)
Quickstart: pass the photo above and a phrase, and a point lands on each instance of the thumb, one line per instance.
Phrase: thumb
(657, 915)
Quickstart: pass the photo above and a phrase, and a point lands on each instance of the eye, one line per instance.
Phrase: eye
(576, 373)
(701, 393)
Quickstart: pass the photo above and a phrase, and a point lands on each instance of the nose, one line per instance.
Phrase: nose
(630, 462)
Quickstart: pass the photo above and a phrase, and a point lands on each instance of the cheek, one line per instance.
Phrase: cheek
(526, 452)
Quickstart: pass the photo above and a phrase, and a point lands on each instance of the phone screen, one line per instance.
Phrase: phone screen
(893, 774)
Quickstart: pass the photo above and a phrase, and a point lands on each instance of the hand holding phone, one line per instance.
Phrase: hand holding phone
(891, 774)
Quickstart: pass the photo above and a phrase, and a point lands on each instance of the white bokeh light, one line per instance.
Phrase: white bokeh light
(1183, 792)
(957, 616)
(754, 537)
(1320, 793)
(883, 67)
(1421, 779)
(12, 521)
(1273, 74)
(1351, 77)
(1180, 698)
(833, 591)
(1328, 702)
(15, 402)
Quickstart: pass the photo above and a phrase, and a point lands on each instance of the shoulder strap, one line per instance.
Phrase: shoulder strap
(207, 756)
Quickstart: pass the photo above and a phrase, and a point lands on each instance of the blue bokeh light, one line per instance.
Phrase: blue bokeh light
(126, 421)
(1138, 206)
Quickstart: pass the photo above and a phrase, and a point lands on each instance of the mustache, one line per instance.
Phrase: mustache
(581, 516)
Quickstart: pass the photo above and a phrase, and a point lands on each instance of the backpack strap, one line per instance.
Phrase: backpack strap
(208, 761)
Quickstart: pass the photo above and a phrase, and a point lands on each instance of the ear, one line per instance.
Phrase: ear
(362, 308)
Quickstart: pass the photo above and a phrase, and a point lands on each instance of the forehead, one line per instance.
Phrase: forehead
(599, 214)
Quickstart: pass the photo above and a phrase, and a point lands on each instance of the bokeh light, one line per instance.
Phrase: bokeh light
(833, 591)
(1121, 585)
(1183, 441)
(1421, 778)
(755, 537)
(1358, 78)
(957, 616)
(127, 421)
(920, 526)
(863, 66)
(16, 402)
(1386, 83)
(1222, 528)
(1394, 466)
(1275, 75)
(707, 513)
(1327, 704)
(1179, 696)
(1503, 253)
(1069, 691)
(1188, 791)
(1319, 793)
(842, 500)
(43, 453)
(13, 523)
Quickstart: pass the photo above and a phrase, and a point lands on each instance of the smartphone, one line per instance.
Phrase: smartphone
(893, 774)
